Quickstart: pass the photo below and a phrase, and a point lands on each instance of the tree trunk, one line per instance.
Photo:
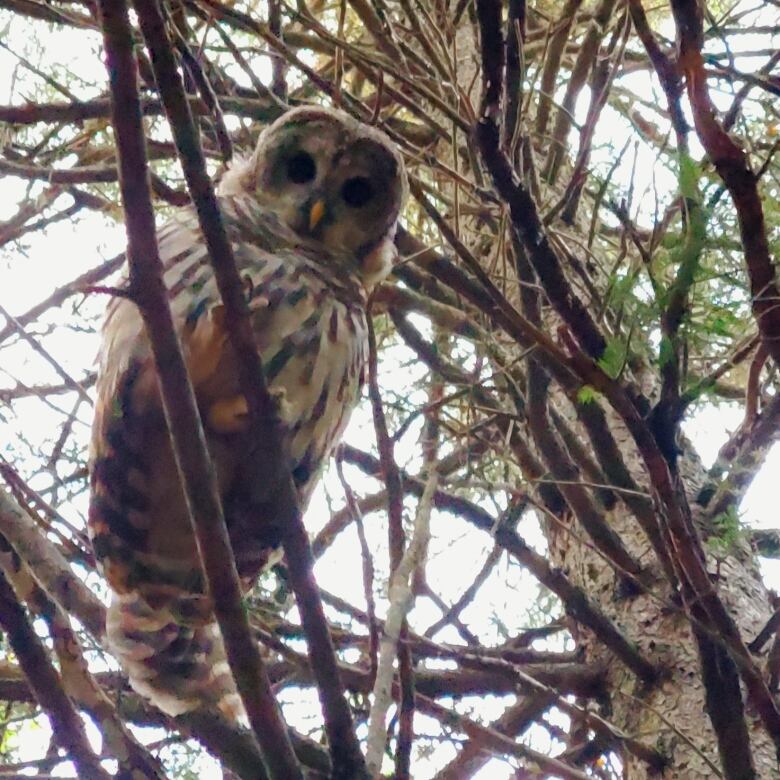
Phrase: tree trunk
(672, 716)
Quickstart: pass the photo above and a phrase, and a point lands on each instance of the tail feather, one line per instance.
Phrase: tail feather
(178, 667)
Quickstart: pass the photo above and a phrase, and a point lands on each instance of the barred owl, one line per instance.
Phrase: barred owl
(311, 217)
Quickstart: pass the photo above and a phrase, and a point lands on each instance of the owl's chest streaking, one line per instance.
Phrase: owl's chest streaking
(309, 322)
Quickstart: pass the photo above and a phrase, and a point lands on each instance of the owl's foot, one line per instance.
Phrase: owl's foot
(229, 415)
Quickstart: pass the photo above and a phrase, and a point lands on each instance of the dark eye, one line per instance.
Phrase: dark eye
(357, 191)
(301, 168)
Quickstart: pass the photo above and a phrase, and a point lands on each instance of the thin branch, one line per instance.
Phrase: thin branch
(400, 597)
(61, 294)
(525, 215)
(48, 566)
(396, 542)
(261, 110)
(733, 166)
(46, 684)
(576, 602)
(45, 354)
(368, 566)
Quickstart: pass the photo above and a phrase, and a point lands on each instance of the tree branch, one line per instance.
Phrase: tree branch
(46, 684)
(181, 412)
(732, 165)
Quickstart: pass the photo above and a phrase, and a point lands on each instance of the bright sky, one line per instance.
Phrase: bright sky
(30, 271)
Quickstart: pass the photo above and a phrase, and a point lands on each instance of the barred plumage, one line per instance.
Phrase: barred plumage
(307, 277)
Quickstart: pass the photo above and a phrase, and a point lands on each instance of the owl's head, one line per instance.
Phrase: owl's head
(332, 180)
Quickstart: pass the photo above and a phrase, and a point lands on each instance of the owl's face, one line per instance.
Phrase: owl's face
(332, 180)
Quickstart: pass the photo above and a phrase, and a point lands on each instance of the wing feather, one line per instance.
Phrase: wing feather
(311, 338)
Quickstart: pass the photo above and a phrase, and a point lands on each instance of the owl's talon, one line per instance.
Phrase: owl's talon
(228, 415)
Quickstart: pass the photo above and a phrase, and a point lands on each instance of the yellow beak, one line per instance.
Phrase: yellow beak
(316, 214)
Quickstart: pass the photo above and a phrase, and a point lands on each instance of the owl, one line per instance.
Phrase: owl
(311, 217)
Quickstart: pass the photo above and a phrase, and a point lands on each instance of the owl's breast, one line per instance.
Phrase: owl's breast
(311, 334)
(314, 348)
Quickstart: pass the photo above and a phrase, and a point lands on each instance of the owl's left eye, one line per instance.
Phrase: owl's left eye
(357, 191)
(301, 168)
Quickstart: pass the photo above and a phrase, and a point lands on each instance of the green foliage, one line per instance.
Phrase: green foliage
(587, 394)
(727, 531)
(613, 359)
(621, 290)
(720, 321)
(686, 256)
(688, 177)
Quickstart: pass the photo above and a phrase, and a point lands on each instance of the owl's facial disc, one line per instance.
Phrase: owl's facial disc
(331, 180)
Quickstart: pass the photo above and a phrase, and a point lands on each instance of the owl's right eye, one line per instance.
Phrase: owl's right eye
(301, 168)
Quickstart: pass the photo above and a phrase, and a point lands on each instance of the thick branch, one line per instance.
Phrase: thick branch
(732, 165)
(46, 684)
(264, 429)
(192, 458)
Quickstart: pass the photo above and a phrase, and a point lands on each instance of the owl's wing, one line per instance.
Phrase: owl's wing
(138, 516)
(159, 624)
(313, 348)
